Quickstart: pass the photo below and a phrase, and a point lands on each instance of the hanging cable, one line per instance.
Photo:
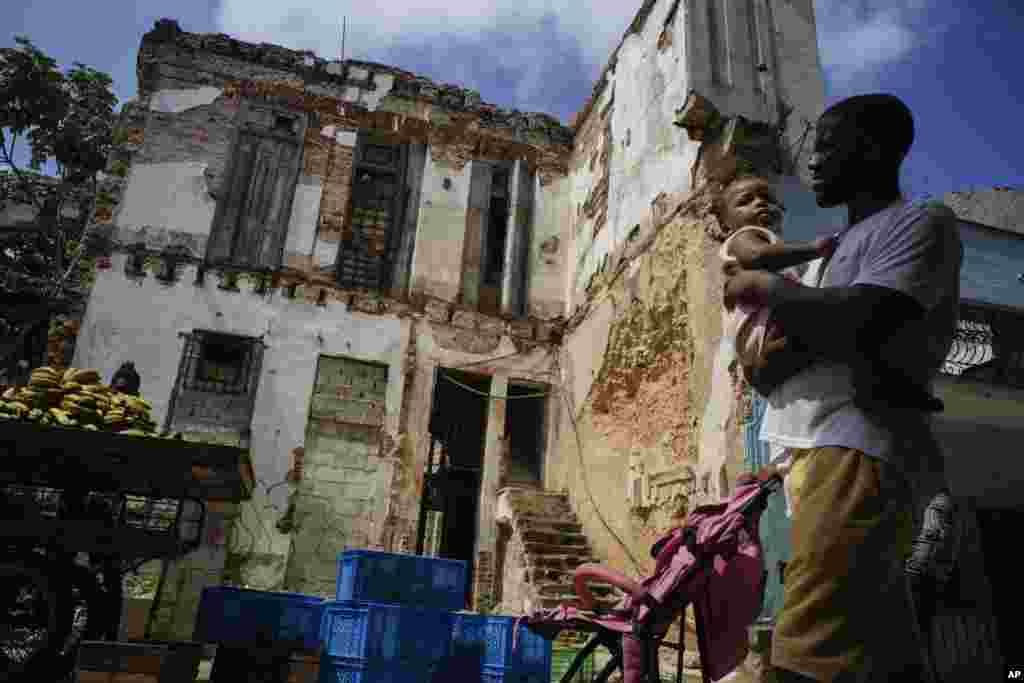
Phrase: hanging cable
(583, 472)
(492, 396)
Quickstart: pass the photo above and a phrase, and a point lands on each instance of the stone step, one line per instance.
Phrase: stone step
(550, 601)
(555, 574)
(526, 502)
(567, 523)
(536, 549)
(559, 562)
(563, 588)
(553, 537)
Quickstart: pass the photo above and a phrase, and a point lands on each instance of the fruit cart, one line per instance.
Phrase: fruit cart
(79, 508)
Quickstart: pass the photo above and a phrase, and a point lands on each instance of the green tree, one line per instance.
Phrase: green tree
(67, 118)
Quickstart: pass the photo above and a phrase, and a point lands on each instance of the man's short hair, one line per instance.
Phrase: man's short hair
(882, 117)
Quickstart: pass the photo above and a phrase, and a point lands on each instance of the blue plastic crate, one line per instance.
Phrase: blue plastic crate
(239, 616)
(340, 670)
(494, 634)
(491, 674)
(389, 578)
(385, 634)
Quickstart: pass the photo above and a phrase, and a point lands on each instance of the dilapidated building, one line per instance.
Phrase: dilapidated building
(440, 326)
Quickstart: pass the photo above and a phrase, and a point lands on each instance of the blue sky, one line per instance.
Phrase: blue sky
(955, 62)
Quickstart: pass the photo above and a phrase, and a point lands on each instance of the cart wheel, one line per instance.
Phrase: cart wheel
(30, 620)
(80, 616)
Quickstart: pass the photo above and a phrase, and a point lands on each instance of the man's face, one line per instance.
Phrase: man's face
(752, 202)
(836, 162)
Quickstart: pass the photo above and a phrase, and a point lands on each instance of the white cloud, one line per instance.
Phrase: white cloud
(375, 28)
(857, 40)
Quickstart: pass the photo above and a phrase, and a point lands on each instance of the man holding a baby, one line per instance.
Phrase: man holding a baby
(846, 358)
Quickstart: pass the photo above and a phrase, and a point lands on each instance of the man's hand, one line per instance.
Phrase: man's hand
(754, 287)
(826, 246)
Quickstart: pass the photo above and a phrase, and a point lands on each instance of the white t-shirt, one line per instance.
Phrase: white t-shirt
(912, 248)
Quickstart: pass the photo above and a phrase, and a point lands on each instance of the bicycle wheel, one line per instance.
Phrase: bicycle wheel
(611, 666)
(30, 620)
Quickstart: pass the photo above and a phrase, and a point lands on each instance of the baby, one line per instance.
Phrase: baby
(752, 215)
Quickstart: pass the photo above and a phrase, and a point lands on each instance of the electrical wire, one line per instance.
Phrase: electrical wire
(583, 474)
(486, 360)
(492, 396)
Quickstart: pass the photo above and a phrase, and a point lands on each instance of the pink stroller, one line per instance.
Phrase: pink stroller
(713, 562)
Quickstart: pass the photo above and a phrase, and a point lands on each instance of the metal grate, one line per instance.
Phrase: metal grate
(370, 237)
(219, 363)
(184, 518)
(988, 345)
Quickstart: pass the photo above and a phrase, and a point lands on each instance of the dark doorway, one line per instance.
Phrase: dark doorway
(458, 426)
(998, 530)
(524, 427)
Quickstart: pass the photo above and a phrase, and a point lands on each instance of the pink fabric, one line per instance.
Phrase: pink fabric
(725, 589)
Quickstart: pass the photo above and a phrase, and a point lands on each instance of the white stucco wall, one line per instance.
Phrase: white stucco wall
(140, 322)
(650, 154)
(175, 101)
(172, 196)
(441, 229)
(305, 213)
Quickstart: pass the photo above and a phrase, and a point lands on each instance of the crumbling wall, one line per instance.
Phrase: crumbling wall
(658, 403)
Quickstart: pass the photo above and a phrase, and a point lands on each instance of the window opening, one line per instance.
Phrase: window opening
(222, 365)
(524, 426)
(371, 237)
(497, 228)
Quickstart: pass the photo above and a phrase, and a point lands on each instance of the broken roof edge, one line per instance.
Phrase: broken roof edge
(635, 26)
(313, 69)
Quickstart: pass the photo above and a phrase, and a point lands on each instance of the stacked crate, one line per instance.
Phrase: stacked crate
(396, 620)
(239, 617)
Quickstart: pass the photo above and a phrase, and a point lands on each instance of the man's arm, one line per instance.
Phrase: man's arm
(753, 252)
(911, 269)
(843, 324)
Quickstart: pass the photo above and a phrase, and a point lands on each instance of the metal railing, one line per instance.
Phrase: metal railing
(988, 345)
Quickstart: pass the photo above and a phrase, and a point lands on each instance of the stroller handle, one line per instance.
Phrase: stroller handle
(769, 481)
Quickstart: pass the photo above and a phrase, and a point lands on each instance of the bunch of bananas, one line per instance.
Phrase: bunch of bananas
(130, 415)
(76, 398)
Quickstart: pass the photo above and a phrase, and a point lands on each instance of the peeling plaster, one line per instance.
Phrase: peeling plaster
(305, 213)
(175, 196)
(177, 101)
(384, 83)
(325, 254)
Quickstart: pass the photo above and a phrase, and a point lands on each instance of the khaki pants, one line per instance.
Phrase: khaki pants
(846, 615)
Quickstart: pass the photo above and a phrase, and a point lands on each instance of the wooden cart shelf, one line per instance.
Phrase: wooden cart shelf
(38, 455)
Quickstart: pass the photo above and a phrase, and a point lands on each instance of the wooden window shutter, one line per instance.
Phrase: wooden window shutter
(374, 225)
(252, 219)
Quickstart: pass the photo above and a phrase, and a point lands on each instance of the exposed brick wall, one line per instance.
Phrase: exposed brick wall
(483, 581)
(337, 190)
(334, 504)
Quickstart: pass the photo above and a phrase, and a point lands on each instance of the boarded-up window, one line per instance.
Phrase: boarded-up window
(372, 236)
(252, 216)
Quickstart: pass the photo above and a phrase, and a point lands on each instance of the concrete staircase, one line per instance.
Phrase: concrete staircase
(547, 543)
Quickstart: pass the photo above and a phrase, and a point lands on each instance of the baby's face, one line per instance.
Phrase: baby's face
(752, 202)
